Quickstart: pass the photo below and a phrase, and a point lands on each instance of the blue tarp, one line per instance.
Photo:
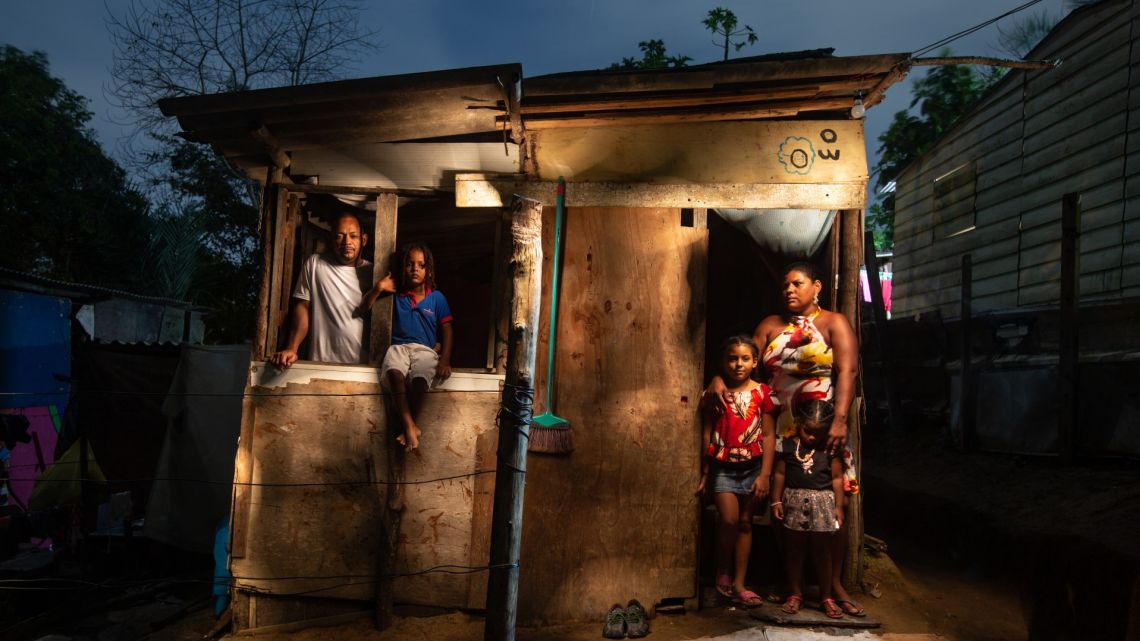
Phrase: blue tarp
(35, 349)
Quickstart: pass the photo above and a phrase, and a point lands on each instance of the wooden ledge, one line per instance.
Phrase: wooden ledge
(493, 190)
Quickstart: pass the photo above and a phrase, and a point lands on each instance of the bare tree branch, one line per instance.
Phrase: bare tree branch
(167, 48)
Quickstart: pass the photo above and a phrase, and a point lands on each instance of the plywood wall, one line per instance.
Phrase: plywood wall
(330, 436)
(617, 518)
(1037, 136)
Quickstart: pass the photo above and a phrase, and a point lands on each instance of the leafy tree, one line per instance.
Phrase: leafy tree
(66, 209)
(942, 96)
(207, 247)
(722, 23)
(653, 56)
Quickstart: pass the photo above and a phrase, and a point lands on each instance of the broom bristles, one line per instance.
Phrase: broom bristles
(550, 440)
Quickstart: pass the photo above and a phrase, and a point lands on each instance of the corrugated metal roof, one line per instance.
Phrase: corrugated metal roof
(25, 282)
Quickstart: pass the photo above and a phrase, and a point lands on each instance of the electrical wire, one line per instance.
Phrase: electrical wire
(158, 479)
(965, 32)
(6, 584)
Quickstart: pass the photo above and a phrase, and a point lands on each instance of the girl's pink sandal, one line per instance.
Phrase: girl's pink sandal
(831, 609)
(793, 604)
(724, 584)
(749, 599)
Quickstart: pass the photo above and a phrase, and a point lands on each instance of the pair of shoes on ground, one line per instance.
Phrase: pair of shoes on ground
(631, 621)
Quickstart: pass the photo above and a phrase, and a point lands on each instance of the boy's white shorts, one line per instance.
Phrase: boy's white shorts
(411, 359)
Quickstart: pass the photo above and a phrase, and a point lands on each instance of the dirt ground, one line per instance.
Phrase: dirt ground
(981, 547)
(922, 603)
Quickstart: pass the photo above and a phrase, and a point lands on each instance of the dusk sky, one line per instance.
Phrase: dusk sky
(547, 36)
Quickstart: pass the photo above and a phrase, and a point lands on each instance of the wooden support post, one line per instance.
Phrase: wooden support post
(966, 371)
(1068, 364)
(514, 420)
(851, 258)
(268, 213)
(383, 245)
(280, 293)
(882, 332)
(379, 338)
(833, 262)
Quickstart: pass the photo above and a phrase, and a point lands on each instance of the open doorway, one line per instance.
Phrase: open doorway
(743, 287)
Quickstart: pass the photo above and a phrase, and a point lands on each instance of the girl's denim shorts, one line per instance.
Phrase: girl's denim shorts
(734, 479)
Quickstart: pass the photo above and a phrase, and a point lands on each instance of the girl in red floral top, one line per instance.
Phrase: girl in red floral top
(739, 446)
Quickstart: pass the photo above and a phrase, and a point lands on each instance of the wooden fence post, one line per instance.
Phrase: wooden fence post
(515, 412)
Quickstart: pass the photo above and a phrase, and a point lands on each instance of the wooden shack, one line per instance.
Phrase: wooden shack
(1037, 187)
(317, 526)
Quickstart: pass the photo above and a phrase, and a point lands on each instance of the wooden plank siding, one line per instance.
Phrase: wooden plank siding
(1038, 135)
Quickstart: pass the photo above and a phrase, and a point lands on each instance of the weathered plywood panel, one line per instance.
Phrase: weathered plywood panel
(617, 518)
(781, 151)
(312, 511)
(436, 527)
(324, 528)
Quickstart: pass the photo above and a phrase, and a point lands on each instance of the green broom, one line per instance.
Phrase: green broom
(549, 433)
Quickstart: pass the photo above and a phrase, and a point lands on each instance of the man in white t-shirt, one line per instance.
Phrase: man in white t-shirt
(325, 301)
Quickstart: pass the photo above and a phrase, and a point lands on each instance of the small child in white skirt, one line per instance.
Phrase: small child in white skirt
(808, 498)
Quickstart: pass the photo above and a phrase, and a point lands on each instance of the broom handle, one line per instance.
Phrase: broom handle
(559, 203)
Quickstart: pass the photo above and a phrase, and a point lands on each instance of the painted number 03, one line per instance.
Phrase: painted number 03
(829, 136)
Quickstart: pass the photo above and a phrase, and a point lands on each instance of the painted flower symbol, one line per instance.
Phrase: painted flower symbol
(796, 155)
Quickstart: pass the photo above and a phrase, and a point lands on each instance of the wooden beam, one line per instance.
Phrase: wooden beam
(896, 74)
(1068, 367)
(271, 147)
(691, 98)
(365, 191)
(514, 420)
(984, 60)
(477, 190)
(748, 111)
(384, 245)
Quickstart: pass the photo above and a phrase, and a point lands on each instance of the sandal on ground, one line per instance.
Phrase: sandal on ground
(831, 609)
(851, 607)
(724, 584)
(793, 604)
(749, 599)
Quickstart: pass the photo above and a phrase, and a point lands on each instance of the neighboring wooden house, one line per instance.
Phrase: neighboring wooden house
(436, 157)
(993, 187)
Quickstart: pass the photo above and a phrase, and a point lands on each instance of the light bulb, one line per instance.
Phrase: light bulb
(857, 110)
